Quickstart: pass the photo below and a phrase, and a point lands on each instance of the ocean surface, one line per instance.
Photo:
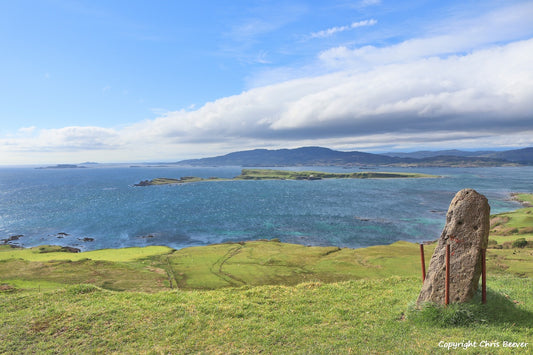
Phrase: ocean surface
(98, 207)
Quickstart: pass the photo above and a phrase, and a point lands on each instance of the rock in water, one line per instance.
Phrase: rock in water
(467, 232)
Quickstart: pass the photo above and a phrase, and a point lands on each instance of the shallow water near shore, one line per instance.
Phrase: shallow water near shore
(98, 207)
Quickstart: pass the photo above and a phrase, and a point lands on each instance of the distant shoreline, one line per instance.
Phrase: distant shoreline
(270, 174)
(62, 166)
(524, 198)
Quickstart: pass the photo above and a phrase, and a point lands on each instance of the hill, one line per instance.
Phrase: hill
(435, 153)
(292, 157)
(319, 156)
(522, 156)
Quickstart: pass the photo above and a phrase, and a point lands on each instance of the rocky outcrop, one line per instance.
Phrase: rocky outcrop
(467, 233)
(70, 250)
(144, 183)
(12, 238)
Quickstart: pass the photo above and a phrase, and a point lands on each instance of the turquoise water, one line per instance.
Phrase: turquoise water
(64, 206)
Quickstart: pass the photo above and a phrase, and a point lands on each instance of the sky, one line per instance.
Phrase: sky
(161, 80)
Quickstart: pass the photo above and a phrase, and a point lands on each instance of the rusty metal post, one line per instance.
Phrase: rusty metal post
(423, 262)
(483, 276)
(447, 278)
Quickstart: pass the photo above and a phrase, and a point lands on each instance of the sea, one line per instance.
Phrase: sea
(99, 207)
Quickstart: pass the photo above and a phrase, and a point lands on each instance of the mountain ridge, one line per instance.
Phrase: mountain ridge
(321, 156)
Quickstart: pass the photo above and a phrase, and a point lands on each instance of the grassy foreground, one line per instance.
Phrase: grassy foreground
(262, 296)
(363, 317)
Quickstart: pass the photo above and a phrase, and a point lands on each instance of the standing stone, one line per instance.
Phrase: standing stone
(467, 233)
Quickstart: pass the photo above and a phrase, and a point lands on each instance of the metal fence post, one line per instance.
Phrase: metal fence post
(447, 278)
(423, 262)
(483, 276)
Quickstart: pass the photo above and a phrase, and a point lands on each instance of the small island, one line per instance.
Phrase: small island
(270, 174)
(62, 166)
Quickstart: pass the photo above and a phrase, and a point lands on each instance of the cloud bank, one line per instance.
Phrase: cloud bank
(489, 90)
(445, 91)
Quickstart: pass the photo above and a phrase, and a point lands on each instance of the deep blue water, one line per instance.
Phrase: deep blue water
(101, 203)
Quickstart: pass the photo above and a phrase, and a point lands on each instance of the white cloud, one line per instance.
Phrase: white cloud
(64, 139)
(365, 3)
(331, 31)
(470, 88)
(490, 89)
(485, 96)
(27, 130)
(452, 37)
(68, 144)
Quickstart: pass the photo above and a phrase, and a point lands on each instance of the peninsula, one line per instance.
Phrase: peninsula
(269, 174)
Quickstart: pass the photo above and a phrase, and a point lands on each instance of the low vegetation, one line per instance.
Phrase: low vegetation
(363, 316)
(512, 230)
(261, 296)
(269, 174)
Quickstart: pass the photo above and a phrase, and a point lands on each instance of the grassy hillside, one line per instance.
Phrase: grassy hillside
(508, 232)
(262, 296)
(510, 226)
(363, 317)
(253, 263)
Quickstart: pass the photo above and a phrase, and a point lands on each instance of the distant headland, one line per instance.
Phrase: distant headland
(269, 174)
(62, 166)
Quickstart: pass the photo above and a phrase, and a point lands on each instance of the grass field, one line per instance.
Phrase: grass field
(510, 226)
(363, 317)
(252, 263)
(262, 296)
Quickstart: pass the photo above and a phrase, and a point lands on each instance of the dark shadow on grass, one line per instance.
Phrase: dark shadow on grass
(499, 310)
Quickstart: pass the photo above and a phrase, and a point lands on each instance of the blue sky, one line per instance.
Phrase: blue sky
(114, 81)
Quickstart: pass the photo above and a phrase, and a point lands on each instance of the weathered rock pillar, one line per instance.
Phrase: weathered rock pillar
(467, 233)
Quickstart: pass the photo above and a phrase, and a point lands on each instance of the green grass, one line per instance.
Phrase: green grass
(52, 252)
(268, 174)
(511, 261)
(230, 265)
(113, 269)
(166, 181)
(510, 226)
(525, 198)
(106, 274)
(363, 317)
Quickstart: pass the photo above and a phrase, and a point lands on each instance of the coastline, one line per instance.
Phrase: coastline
(271, 174)
(525, 199)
